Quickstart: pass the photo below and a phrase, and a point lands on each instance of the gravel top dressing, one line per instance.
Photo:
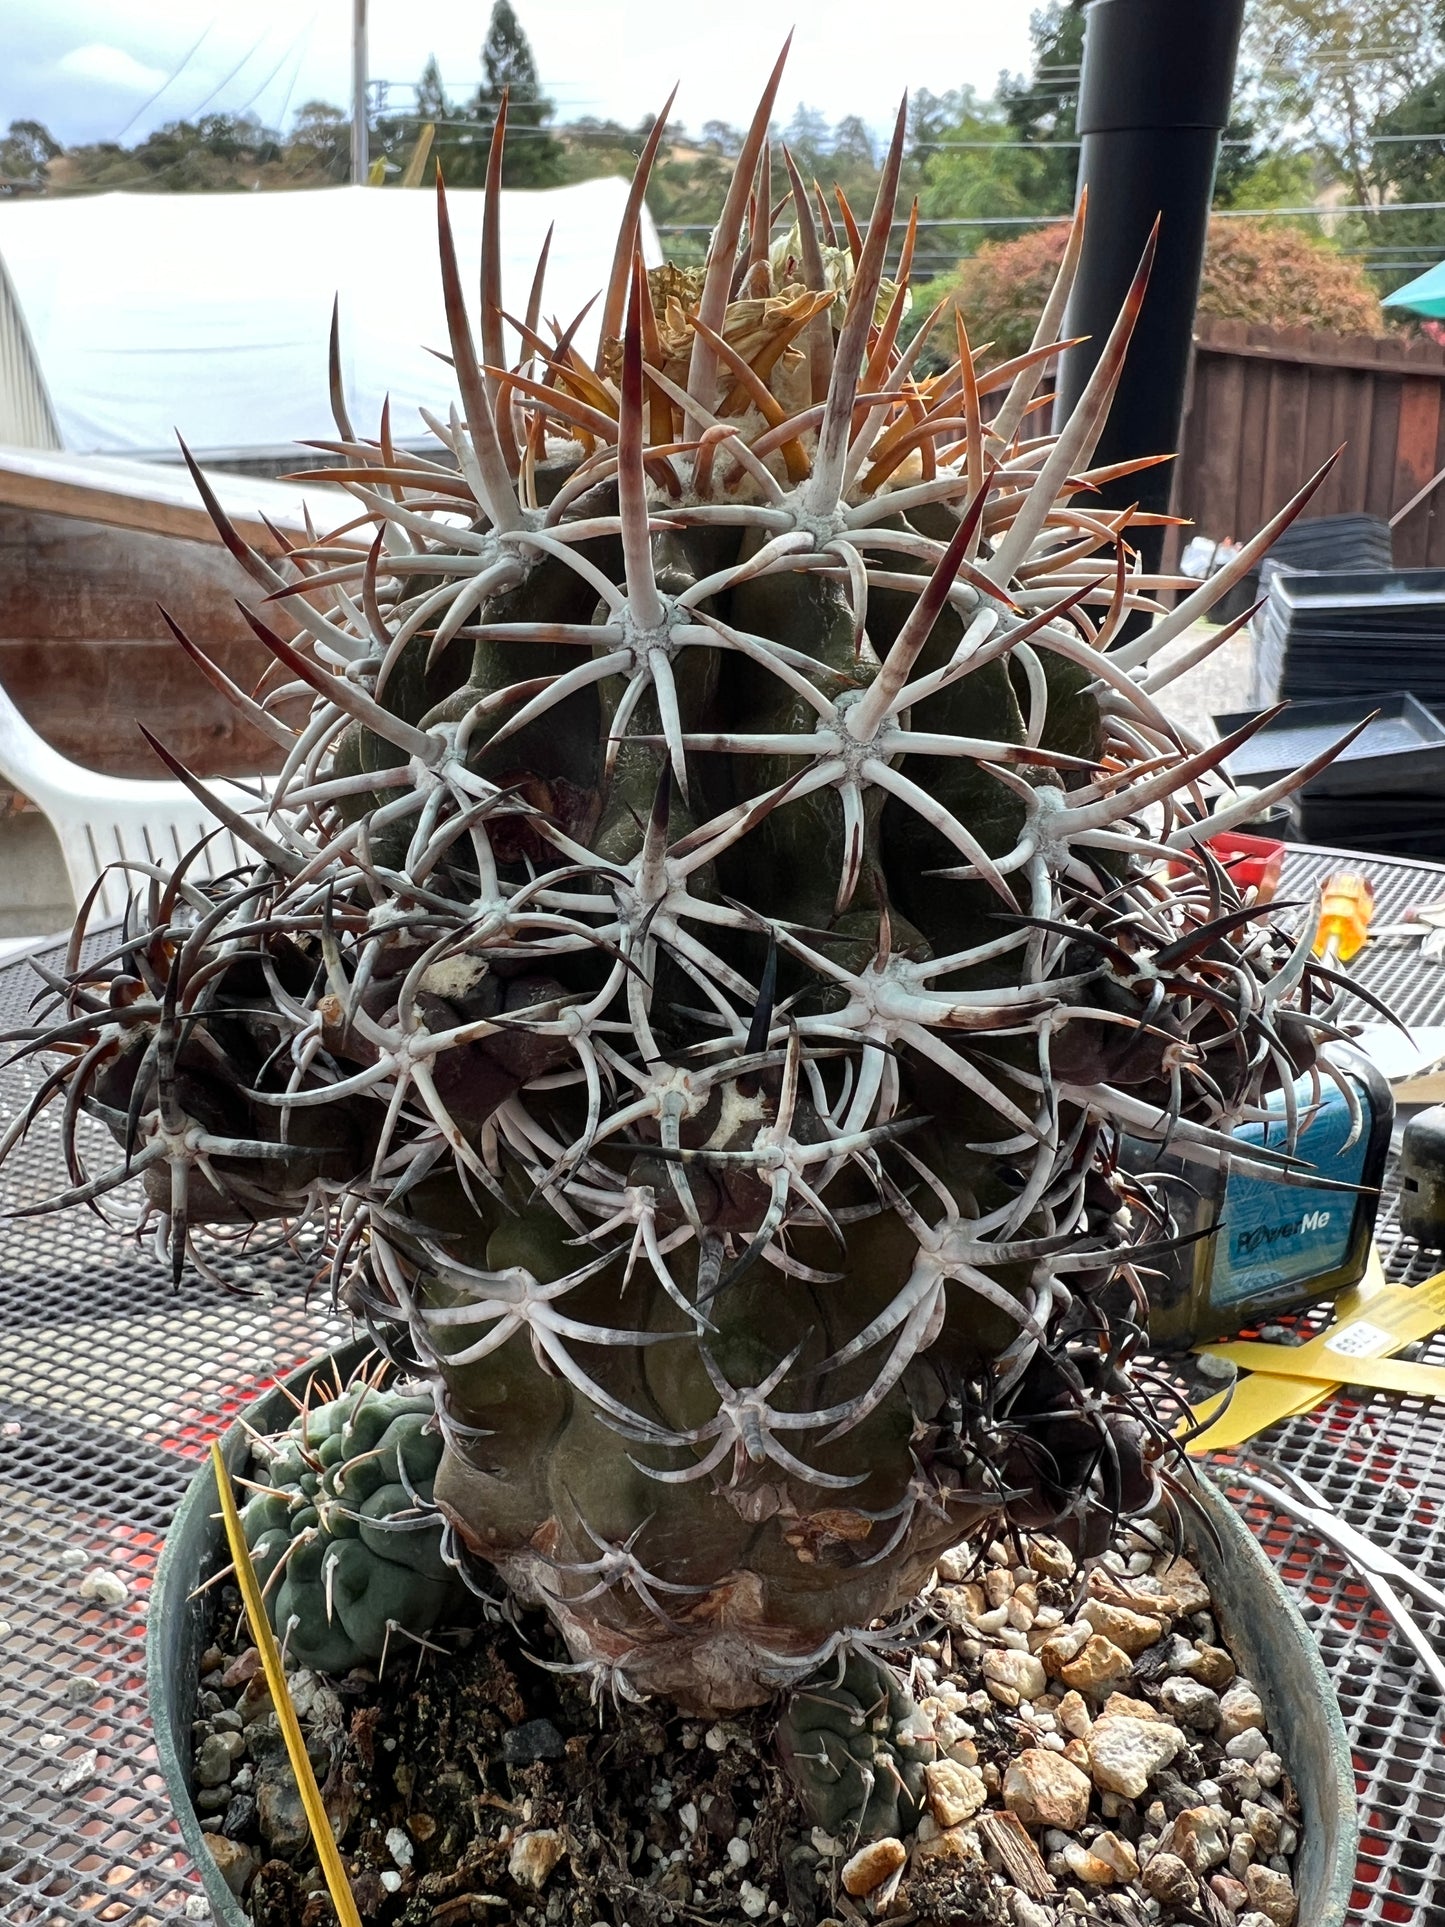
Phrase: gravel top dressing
(1095, 1755)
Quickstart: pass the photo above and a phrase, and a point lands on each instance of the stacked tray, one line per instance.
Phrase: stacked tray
(1353, 542)
(1385, 792)
(1351, 632)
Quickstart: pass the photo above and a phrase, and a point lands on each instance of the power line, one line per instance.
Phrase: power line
(222, 85)
(301, 33)
(1324, 213)
(174, 75)
(300, 61)
(476, 126)
(1047, 220)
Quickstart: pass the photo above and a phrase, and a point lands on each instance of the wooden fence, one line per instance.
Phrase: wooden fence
(1268, 405)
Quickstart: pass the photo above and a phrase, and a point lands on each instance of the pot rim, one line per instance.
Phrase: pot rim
(1251, 1605)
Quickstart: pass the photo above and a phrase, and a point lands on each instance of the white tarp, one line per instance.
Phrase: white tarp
(209, 313)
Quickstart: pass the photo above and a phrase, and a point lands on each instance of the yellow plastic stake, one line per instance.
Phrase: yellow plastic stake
(1377, 1374)
(337, 1884)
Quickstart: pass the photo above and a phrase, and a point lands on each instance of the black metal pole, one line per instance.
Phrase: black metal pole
(1153, 100)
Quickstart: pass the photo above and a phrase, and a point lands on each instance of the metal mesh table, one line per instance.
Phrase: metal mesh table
(111, 1385)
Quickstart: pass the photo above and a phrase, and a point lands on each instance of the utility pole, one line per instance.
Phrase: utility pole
(1153, 101)
(358, 93)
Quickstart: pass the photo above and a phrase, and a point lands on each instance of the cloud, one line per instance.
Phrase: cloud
(106, 66)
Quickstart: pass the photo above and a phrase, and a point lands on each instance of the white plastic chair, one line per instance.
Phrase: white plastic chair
(101, 820)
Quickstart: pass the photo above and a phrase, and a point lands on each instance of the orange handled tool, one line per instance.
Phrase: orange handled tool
(1349, 903)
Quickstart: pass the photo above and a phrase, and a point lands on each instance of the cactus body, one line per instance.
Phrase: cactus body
(730, 894)
(856, 1749)
(348, 1516)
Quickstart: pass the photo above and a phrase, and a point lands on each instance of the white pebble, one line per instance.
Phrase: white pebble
(196, 1907)
(715, 1739)
(998, 1586)
(5, 1629)
(398, 1845)
(739, 1852)
(79, 1772)
(390, 1879)
(687, 1817)
(1248, 1745)
(753, 1901)
(72, 1556)
(662, 1795)
(106, 1588)
(50, 1742)
(823, 1843)
(1269, 1769)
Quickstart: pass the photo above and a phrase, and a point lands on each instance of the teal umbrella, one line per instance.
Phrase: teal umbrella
(1424, 295)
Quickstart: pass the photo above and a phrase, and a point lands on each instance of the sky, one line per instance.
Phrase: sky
(113, 69)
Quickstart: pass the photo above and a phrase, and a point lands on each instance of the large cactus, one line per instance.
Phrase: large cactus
(730, 892)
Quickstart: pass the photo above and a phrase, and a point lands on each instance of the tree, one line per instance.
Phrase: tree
(26, 151)
(1415, 168)
(853, 144)
(1260, 271)
(979, 159)
(1042, 109)
(432, 103)
(807, 140)
(973, 173)
(533, 157)
(318, 148)
(1280, 179)
(217, 153)
(1336, 70)
(721, 137)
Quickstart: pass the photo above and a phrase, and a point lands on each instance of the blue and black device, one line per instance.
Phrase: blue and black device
(1270, 1246)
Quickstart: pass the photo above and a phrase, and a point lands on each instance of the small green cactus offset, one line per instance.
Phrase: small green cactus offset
(349, 1511)
(856, 1749)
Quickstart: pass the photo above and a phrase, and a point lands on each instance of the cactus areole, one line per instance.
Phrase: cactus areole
(726, 894)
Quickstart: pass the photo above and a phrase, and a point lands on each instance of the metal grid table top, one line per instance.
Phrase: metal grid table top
(111, 1386)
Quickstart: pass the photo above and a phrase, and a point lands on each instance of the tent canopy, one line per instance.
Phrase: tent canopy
(1424, 295)
(209, 313)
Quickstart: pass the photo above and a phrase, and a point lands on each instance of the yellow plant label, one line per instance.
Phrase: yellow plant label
(1373, 1319)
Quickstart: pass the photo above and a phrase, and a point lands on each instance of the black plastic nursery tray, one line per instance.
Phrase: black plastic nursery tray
(1404, 745)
